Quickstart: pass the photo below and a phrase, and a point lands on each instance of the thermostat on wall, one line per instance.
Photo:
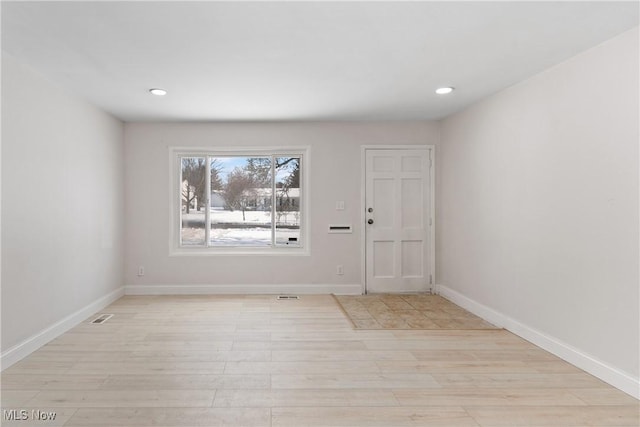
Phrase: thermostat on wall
(335, 228)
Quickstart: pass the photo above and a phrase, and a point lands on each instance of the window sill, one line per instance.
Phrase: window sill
(187, 252)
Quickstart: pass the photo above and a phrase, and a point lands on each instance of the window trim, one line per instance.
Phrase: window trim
(175, 153)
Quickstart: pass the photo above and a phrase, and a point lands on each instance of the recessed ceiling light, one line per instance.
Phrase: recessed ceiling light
(158, 91)
(444, 90)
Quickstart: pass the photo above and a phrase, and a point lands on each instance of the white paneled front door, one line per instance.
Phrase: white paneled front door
(398, 220)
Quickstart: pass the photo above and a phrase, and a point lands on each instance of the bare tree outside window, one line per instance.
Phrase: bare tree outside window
(193, 179)
(193, 198)
(240, 191)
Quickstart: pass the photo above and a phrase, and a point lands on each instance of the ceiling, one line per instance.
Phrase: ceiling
(287, 61)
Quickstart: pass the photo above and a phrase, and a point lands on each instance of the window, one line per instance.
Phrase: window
(235, 202)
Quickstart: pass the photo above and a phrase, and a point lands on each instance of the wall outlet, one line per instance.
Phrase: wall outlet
(339, 270)
(340, 205)
(141, 271)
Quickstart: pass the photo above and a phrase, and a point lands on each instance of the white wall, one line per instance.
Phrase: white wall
(539, 204)
(62, 204)
(335, 175)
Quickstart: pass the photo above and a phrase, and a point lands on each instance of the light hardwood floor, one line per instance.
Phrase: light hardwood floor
(184, 361)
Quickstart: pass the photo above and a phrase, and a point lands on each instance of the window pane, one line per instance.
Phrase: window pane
(240, 201)
(288, 201)
(193, 187)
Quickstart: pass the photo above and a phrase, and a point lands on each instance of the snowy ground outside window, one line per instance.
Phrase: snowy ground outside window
(229, 229)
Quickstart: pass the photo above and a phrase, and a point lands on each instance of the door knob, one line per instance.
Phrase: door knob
(370, 221)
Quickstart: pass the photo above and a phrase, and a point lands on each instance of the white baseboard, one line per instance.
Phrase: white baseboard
(273, 289)
(31, 344)
(584, 361)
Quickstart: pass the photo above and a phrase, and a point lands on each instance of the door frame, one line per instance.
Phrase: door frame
(432, 202)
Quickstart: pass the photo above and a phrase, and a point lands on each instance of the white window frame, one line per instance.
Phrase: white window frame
(175, 195)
